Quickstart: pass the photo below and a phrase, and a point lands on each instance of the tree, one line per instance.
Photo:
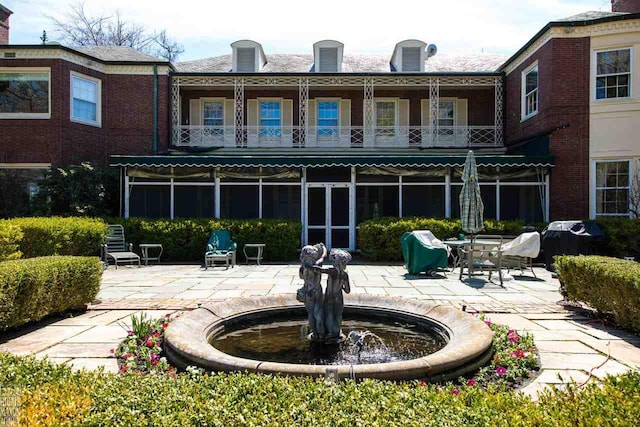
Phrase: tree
(634, 195)
(78, 28)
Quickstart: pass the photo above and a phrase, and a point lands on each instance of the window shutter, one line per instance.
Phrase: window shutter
(252, 112)
(425, 117)
(311, 113)
(287, 121)
(345, 113)
(229, 112)
(246, 60)
(328, 58)
(411, 59)
(403, 112)
(461, 112)
(195, 114)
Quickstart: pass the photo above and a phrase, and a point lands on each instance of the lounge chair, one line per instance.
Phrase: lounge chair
(423, 252)
(520, 252)
(117, 248)
(220, 248)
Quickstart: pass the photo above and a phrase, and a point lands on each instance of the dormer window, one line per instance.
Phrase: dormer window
(248, 56)
(409, 56)
(328, 56)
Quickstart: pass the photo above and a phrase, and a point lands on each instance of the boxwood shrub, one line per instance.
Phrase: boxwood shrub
(33, 288)
(44, 236)
(609, 285)
(379, 239)
(55, 395)
(186, 239)
(623, 237)
(10, 238)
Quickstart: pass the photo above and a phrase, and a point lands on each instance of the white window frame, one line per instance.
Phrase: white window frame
(594, 72)
(34, 70)
(396, 116)
(318, 127)
(594, 187)
(454, 101)
(524, 95)
(98, 82)
(259, 122)
(205, 100)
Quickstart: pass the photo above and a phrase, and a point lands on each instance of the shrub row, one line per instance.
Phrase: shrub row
(609, 285)
(55, 395)
(623, 236)
(379, 239)
(186, 239)
(33, 288)
(10, 238)
(45, 236)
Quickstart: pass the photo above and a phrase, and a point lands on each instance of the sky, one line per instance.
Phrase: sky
(207, 27)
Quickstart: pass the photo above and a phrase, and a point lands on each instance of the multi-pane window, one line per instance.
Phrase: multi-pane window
(270, 118)
(213, 115)
(385, 118)
(613, 74)
(24, 93)
(530, 92)
(446, 117)
(84, 100)
(612, 188)
(327, 118)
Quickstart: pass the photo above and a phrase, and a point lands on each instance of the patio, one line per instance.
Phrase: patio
(569, 344)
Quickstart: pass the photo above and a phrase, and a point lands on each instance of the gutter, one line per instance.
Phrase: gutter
(155, 109)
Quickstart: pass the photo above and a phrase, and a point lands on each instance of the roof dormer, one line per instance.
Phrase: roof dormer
(409, 56)
(327, 56)
(248, 56)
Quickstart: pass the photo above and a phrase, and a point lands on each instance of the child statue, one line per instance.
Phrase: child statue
(310, 294)
(337, 281)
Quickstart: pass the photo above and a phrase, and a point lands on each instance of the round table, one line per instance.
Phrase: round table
(259, 247)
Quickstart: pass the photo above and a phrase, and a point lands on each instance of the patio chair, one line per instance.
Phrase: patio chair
(117, 249)
(485, 258)
(220, 248)
(520, 252)
(423, 252)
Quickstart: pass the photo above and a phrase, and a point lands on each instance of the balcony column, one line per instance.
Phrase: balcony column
(368, 113)
(238, 95)
(303, 108)
(499, 108)
(175, 110)
(434, 105)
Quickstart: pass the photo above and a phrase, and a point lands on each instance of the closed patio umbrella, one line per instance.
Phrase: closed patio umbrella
(471, 207)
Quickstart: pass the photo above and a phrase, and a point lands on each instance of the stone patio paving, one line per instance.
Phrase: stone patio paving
(570, 345)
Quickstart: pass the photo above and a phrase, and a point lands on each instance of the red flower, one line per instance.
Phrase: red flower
(168, 315)
(154, 363)
(172, 368)
(422, 383)
(519, 354)
(124, 368)
(471, 382)
(455, 392)
(112, 351)
(164, 325)
(496, 358)
(501, 370)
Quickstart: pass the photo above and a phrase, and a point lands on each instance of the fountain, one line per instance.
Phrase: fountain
(387, 338)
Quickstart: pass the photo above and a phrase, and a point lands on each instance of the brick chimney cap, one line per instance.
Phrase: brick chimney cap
(5, 10)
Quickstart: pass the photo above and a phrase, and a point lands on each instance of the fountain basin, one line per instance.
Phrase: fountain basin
(468, 339)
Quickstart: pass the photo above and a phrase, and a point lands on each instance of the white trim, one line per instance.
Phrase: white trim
(212, 99)
(98, 83)
(280, 100)
(324, 44)
(260, 57)
(594, 75)
(593, 187)
(25, 165)
(317, 118)
(396, 56)
(28, 70)
(523, 92)
(396, 102)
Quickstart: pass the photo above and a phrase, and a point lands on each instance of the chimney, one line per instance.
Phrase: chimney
(627, 6)
(4, 24)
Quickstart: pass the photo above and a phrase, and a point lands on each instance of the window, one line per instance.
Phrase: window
(281, 201)
(328, 59)
(328, 118)
(24, 94)
(193, 201)
(613, 74)
(530, 91)
(376, 201)
(246, 59)
(270, 119)
(239, 201)
(385, 118)
(612, 188)
(85, 100)
(446, 117)
(213, 115)
(411, 58)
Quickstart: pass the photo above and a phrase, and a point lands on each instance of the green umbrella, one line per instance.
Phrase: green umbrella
(471, 207)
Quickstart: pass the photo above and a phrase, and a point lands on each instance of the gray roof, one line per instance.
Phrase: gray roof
(116, 53)
(589, 16)
(302, 63)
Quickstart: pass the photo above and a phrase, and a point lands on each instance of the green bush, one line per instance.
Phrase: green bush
(33, 288)
(379, 239)
(609, 285)
(60, 236)
(623, 236)
(55, 395)
(186, 239)
(10, 238)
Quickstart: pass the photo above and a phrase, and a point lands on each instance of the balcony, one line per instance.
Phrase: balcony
(337, 137)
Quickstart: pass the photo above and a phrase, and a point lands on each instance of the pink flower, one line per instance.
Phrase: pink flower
(501, 370)
(455, 392)
(514, 339)
(130, 333)
(518, 353)
(172, 374)
(112, 351)
(488, 322)
(168, 315)
(471, 382)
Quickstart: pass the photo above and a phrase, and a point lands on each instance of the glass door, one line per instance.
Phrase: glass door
(329, 215)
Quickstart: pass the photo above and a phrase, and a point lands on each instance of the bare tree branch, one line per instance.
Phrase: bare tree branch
(166, 47)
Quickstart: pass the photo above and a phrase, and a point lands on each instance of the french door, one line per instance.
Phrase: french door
(329, 215)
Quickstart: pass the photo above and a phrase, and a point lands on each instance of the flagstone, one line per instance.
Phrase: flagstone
(92, 364)
(575, 361)
(79, 350)
(561, 376)
(100, 334)
(564, 347)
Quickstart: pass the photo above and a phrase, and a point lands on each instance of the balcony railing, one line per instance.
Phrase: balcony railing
(337, 137)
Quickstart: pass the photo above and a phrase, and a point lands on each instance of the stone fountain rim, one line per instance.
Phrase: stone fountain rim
(187, 338)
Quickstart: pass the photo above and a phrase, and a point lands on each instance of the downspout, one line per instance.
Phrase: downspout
(155, 109)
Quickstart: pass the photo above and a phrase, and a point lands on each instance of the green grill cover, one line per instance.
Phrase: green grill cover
(423, 252)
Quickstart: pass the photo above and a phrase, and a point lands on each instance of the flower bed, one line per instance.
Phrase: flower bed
(141, 352)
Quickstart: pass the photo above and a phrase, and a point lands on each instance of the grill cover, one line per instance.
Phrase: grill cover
(571, 238)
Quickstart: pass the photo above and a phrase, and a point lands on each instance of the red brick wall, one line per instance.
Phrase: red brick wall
(629, 6)
(127, 120)
(563, 72)
(4, 27)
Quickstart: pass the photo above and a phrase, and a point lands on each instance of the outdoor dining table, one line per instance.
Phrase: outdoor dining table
(455, 245)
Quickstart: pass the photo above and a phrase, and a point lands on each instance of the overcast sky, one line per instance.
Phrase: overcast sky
(207, 27)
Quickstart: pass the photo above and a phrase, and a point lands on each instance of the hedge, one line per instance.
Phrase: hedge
(55, 395)
(379, 239)
(623, 236)
(10, 238)
(33, 288)
(609, 285)
(186, 239)
(45, 236)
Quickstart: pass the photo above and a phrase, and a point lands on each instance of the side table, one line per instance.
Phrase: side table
(144, 248)
(259, 247)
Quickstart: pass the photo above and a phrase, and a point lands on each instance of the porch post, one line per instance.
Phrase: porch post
(216, 194)
(126, 193)
(238, 94)
(547, 199)
(175, 110)
(303, 105)
(434, 104)
(447, 194)
(367, 117)
(499, 105)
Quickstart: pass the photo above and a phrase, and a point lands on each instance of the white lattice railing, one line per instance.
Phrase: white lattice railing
(337, 137)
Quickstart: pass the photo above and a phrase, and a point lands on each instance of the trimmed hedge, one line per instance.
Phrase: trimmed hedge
(55, 395)
(31, 289)
(379, 239)
(10, 238)
(609, 285)
(45, 236)
(623, 236)
(186, 239)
